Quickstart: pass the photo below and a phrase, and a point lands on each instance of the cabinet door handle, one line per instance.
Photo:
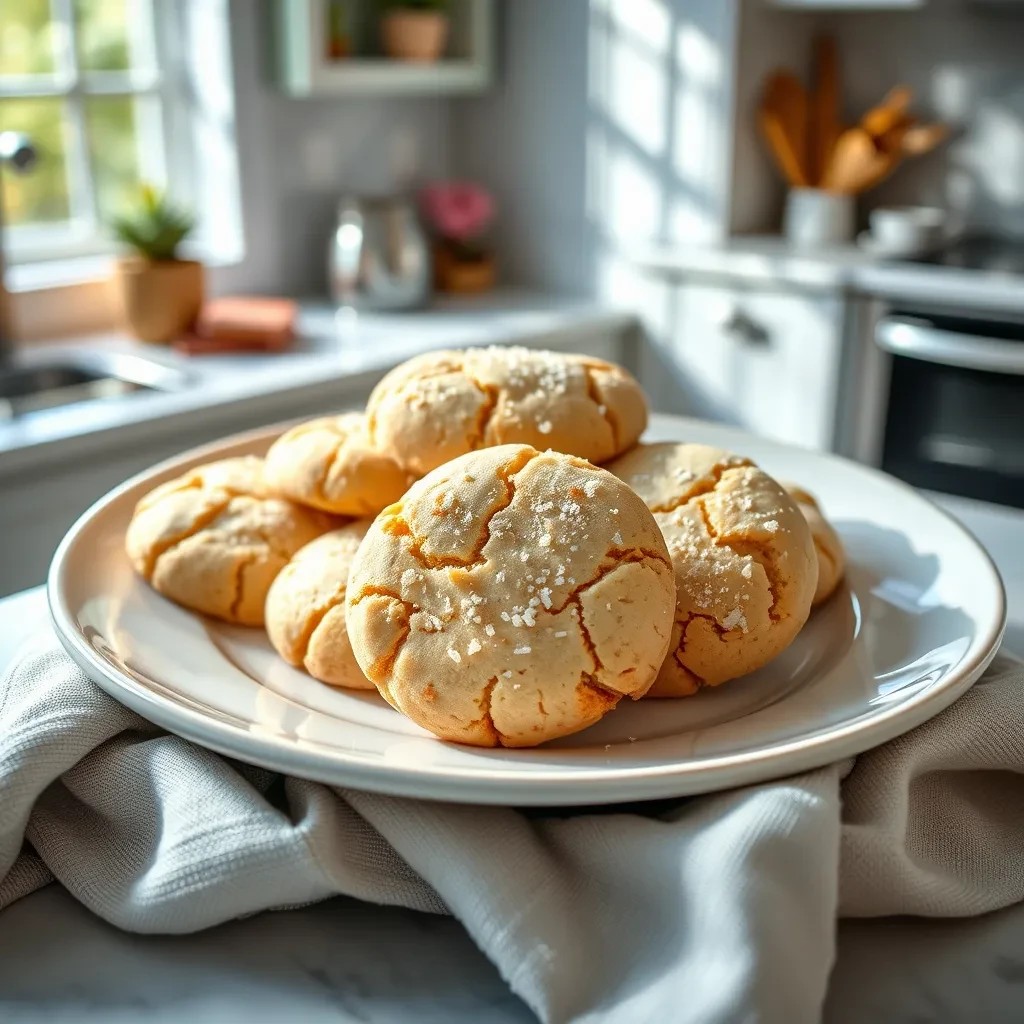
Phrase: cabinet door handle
(740, 327)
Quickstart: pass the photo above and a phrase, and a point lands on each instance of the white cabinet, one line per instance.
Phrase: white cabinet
(765, 360)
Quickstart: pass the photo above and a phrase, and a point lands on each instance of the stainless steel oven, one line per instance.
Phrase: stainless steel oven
(954, 418)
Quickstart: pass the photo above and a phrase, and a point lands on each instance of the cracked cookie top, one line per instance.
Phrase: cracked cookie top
(743, 556)
(827, 546)
(305, 608)
(440, 405)
(214, 539)
(512, 596)
(330, 464)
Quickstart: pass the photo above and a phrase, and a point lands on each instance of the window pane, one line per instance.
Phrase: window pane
(41, 195)
(26, 38)
(112, 131)
(113, 35)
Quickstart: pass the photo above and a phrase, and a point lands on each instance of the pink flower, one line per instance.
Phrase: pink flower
(458, 210)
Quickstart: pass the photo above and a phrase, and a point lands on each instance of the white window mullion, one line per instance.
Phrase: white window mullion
(177, 169)
(81, 194)
(81, 190)
(150, 139)
(179, 111)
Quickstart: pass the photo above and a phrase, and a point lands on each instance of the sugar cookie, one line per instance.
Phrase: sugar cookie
(827, 545)
(443, 404)
(511, 597)
(329, 463)
(305, 613)
(214, 539)
(743, 556)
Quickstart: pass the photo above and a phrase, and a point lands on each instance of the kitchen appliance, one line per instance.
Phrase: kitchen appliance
(985, 253)
(379, 255)
(954, 419)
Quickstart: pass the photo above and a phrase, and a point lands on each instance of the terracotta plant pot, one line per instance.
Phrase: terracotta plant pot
(414, 35)
(454, 273)
(161, 299)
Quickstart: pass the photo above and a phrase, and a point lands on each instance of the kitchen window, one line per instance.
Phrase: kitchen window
(90, 85)
(112, 92)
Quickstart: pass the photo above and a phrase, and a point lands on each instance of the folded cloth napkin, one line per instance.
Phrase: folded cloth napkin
(713, 908)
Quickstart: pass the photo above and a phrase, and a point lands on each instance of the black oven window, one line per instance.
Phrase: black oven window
(956, 430)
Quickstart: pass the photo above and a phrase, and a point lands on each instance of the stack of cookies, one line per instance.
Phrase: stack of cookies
(491, 548)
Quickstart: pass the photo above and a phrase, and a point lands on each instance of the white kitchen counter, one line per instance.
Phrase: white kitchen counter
(346, 961)
(56, 462)
(770, 261)
(333, 349)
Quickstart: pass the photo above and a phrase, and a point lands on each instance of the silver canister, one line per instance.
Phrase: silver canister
(379, 255)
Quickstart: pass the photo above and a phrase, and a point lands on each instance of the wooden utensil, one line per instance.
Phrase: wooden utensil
(856, 163)
(923, 138)
(785, 99)
(893, 108)
(892, 141)
(825, 125)
(782, 149)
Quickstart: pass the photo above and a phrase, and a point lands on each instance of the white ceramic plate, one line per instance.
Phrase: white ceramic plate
(916, 623)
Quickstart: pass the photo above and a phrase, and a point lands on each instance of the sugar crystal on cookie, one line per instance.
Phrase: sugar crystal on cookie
(574, 644)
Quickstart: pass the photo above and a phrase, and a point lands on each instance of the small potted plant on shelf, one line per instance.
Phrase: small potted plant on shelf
(161, 293)
(459, 214)
(415, 30)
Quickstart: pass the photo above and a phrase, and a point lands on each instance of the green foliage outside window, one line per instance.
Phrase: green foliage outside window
(30, 45)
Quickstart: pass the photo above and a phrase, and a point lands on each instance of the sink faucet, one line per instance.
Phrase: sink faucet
(19, 155)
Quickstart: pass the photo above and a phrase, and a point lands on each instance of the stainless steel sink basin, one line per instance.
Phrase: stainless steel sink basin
(35, 384)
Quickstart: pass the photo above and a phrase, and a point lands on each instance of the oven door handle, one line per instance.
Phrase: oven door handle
(916, 338)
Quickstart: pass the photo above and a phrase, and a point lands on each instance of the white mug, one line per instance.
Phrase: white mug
(901, 229)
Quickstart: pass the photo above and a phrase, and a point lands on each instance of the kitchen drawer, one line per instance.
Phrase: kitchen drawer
(767, 361)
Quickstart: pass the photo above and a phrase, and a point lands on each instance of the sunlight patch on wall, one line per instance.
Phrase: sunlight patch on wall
(637, 99)
(647, 21)
(633, 198)
(699, 137)
(627, 80)
(698, 57)
(655, 157)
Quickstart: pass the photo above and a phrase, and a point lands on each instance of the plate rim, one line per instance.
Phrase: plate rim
(547, 787)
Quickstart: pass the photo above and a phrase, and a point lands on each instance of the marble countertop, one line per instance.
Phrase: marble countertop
(331, 346)
(771, 261)
(342, 960)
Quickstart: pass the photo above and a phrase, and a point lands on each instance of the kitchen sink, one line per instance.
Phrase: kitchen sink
(33, 385)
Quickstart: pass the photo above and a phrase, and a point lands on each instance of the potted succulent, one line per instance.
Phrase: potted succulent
(415, 30)
(161, 293)
(459, 214)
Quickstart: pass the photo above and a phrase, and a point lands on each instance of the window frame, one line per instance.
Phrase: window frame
(164, 155)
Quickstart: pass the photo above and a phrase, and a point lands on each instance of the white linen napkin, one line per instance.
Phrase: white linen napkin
(715, 908)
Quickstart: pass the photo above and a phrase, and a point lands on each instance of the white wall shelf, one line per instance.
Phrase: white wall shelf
(305, 67)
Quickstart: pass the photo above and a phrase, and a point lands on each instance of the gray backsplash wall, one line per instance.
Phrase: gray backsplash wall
(965, 62)
(297, 156)
(601, 136)
(526, 140)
